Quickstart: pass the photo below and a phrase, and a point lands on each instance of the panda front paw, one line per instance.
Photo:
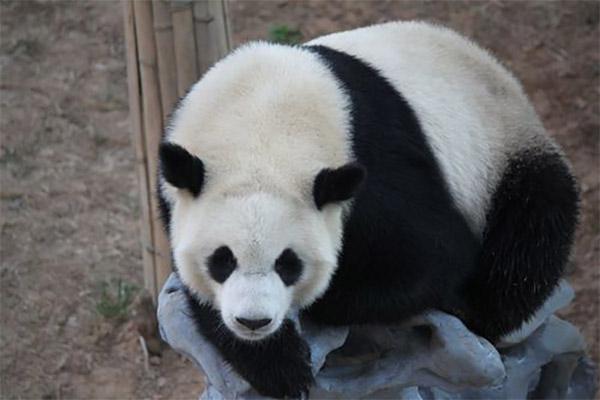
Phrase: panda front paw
(291, 379)
(280, 367)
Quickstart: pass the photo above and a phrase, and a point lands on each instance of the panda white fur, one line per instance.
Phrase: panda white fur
(364, 177)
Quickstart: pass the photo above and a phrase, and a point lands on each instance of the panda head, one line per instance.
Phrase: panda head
(255, 255)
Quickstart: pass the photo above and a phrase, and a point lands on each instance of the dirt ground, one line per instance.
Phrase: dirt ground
(69, 200)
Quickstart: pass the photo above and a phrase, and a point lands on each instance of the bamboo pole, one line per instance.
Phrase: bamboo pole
(139, 144)
(169, 45)
(152, 116)
(212, 32)
(185, 44)
(167, 70)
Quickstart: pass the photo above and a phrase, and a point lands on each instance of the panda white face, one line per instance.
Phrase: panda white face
(254, 252)
(256, 257)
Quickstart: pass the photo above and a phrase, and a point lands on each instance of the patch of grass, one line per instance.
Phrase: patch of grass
(99, 140)
(27, 47)
(17, 162)
(115, 298)
(10, 156)
(285, 34)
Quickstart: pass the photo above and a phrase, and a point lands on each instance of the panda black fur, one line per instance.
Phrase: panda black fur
(410, 153)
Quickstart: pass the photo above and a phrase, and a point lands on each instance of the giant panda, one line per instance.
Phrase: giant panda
(362, 178)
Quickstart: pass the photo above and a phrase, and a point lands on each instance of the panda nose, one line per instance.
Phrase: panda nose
(254, 324)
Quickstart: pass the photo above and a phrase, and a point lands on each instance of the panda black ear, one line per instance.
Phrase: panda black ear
(333, 185)
(180, 168)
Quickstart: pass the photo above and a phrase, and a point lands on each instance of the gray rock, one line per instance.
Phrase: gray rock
(433, 356)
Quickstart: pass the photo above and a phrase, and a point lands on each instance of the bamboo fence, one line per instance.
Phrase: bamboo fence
(170, 44)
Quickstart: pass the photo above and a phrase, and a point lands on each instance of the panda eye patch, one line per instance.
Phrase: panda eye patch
(289, 267)
(221, 264)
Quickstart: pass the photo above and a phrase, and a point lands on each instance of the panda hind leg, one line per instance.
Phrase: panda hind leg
(526, 245)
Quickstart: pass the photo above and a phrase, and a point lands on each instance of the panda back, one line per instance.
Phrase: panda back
(403, 230)
(472, 111)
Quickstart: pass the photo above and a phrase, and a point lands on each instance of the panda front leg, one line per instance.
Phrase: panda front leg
(278, 366)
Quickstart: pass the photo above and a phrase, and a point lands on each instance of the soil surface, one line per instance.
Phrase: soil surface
(69, 199)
